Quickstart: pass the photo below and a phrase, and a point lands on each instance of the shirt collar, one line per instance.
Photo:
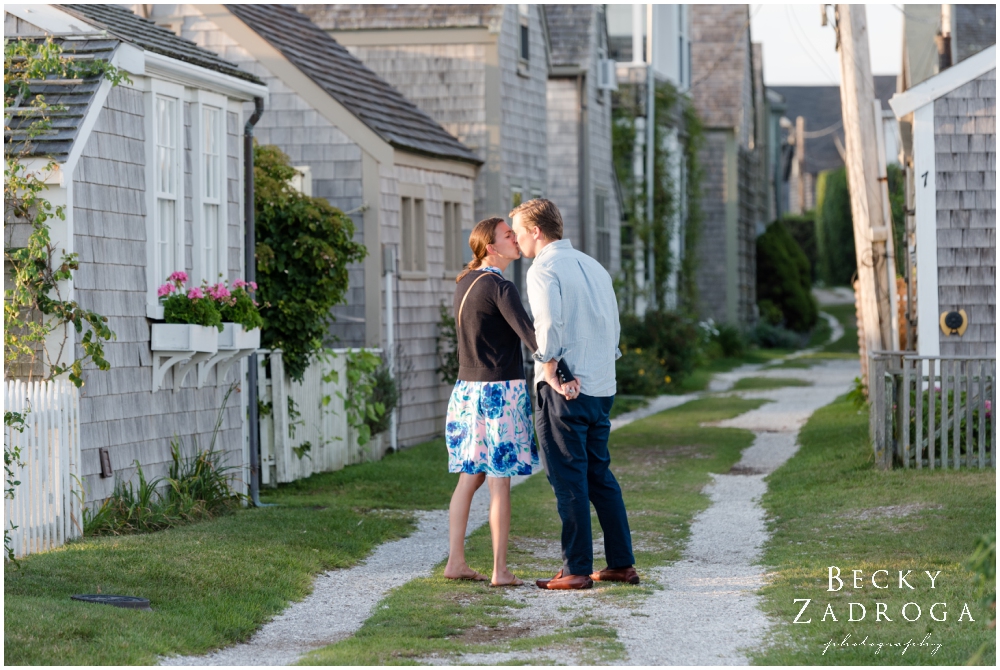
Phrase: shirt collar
(558, 244)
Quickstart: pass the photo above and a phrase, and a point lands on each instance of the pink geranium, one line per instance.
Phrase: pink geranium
(253, 286)
(166, 289)
(195, 294)
(178, 276)
(239, 283)
(218, 292)
(989, 408)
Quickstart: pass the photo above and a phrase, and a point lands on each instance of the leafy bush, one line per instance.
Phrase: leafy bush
(194, 306)
(834, 229)
(640, 372)
(803, 228)
(304, 246)
(447, 347)
(731, 341)
(768, 336)
(384, 392)
(784, 278)
(670, 337)
(770, 313)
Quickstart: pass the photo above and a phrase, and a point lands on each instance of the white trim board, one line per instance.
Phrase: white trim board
(941, 84)
(925, 204)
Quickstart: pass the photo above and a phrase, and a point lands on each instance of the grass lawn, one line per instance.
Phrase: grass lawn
(627, 403)
(828, 507)
(662, 463)
(698, 380)
(848, 342)
(215, 582)
(764, 383)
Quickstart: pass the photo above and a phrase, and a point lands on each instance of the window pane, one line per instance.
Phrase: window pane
(211, 148)
(166, 144)
(166, 211)
(211, 242)
(406, 232)
(524, 43)
(419, 227)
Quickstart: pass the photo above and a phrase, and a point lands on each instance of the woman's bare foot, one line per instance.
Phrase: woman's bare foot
(505, 578)
(463, 572)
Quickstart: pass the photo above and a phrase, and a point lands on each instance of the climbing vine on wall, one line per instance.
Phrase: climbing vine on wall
(672, 110)
(37, 315)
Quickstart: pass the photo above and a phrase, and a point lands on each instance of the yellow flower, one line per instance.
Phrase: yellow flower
(663, 361)
(638, 351)
(667, 379)
(642, 372)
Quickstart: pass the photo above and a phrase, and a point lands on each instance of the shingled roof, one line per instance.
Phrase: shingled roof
(346, 79)
(569, 33)
(74, 96)
(146, 35)
(820, 107)
(396, 17)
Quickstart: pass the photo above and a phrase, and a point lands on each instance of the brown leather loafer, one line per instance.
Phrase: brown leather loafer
(569, 582)
(627, 575)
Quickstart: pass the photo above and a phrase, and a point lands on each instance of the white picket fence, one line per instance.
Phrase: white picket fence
(317, 438)
(46, 507)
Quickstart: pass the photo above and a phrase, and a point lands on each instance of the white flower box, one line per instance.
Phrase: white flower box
(174, 343)
(235, 342)
(235, 336)
(185, 337)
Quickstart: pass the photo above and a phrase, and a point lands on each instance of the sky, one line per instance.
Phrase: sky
(800, 51)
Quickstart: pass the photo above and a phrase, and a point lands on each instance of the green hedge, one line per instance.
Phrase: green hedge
(803, 229)
(784, 279)
(835, 225)
(834, 229)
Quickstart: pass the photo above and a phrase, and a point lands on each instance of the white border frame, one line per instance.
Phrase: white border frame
(156, 87)
(203, 99)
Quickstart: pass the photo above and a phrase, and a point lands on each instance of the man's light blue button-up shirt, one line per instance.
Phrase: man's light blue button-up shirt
(575, 310)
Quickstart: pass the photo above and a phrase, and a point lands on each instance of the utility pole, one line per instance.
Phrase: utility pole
(871, 230)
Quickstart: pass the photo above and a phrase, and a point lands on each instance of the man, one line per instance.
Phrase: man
(576, 318)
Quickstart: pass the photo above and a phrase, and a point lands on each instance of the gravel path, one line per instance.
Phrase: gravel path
(708, 603)
(343, 599)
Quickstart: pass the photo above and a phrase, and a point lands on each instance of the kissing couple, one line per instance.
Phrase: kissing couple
(490, 437)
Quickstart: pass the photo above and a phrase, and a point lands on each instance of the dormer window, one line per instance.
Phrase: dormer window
(524, 38)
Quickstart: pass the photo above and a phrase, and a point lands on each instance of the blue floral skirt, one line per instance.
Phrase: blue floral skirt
(489, 429)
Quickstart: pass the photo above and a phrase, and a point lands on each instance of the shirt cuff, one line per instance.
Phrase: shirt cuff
(618, 353)
(544, 357)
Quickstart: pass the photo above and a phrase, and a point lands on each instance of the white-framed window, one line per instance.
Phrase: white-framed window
(209, 162)
(454, 239)
(523, 38)
(413, 232)
(165, 197)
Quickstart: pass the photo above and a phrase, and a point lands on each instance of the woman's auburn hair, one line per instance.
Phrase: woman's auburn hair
(483, 234)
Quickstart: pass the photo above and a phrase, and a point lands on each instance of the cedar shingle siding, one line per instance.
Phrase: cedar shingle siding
(965, 160)
(117, 408)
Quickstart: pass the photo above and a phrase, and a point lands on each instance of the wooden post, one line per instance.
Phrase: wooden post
(870, 232)
(799, 166)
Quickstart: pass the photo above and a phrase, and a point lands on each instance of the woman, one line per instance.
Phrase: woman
(489, 430)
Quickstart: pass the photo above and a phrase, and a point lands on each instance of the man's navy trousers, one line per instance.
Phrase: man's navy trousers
(573, 436)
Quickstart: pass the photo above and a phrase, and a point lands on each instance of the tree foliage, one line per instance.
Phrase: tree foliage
(304, 246)
(784, 279)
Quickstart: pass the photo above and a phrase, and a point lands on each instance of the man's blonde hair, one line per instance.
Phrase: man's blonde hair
(541, 213)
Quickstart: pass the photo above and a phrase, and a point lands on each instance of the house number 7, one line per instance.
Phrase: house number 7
(924, 175)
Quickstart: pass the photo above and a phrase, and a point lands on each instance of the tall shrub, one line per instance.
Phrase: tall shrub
(834, 229)
(304, 246)
(783, 278)
(803, 229)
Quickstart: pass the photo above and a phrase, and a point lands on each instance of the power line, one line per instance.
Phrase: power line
(807, 49)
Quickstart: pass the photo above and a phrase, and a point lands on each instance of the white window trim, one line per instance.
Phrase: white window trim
(205, 99)
(925, 205)
(157, 87)
(303, 180)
